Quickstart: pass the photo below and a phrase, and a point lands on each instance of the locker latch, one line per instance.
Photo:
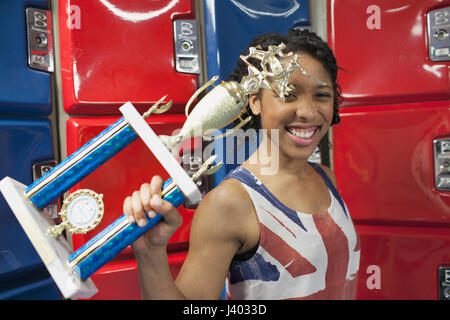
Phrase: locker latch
(187, 58)
(444, 282)
(39, 169)
(439, 34)
(442, 163)
(39, 38)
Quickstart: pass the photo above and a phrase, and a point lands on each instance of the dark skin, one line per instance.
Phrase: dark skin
(221, 228)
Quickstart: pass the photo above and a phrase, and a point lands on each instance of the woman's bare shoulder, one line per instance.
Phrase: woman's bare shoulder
(229, 197)
(223, 217)
(219, 227)
(329, 172)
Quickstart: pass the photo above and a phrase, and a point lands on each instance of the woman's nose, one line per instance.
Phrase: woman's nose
(305, 109)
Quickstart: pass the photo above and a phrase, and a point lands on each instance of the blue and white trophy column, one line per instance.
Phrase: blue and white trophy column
(85, 160)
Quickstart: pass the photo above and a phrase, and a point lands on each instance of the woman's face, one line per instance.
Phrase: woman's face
(305, 116)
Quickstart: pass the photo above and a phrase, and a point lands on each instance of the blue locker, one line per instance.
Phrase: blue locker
(230, 25)
(25, 138)
(23, 91)
(22, 275)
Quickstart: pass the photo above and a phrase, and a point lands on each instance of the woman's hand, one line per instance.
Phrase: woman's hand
(148, 201)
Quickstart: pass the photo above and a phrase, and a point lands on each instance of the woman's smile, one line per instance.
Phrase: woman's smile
(303, 136)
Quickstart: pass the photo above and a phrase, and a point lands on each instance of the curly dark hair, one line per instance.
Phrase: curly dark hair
(301, 41)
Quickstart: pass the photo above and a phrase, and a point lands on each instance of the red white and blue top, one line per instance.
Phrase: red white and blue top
(299, 256)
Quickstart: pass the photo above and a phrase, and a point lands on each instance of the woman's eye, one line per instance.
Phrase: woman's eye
(290, 96)
(323, 95)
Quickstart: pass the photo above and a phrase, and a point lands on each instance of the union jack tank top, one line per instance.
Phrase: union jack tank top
(299, 256)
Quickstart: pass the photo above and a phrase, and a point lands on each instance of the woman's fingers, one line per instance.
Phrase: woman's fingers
(144, 193)
(128, 209)
(138, 204)
(163, 207)
(148, 201)
(171, 215)
(156, 185)
(138, 209)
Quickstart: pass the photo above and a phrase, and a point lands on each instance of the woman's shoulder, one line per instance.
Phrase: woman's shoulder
(226, 212)
(329, 173)
(229, 196)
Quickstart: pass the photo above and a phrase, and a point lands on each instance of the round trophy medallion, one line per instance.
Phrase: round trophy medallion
(81, 212)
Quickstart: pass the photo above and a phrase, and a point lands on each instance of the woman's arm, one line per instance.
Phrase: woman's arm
(218, 229)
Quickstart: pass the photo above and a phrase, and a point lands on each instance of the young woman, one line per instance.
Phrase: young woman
(286, 235)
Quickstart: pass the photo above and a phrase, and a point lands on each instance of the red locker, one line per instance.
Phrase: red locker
(384, 158)
(114, 51)
(408, 259)
(383, 48)
(396, 103)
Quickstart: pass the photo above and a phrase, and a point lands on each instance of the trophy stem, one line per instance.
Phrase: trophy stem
(55, 231)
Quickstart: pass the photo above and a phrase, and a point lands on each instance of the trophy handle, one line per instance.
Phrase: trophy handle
(156, 109)
(195, 95)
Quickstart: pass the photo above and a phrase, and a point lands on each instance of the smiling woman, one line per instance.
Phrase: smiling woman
(305, 116)
(283, 234)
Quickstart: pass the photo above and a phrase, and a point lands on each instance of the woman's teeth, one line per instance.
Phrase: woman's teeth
(302, 133)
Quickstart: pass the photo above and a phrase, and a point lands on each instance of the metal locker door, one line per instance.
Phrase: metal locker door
(24, 142)
(383, 51)
(115, 51)
(396, 98)
(23, 90)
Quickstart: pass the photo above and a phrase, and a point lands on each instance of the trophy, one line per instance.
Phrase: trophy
(83, 210)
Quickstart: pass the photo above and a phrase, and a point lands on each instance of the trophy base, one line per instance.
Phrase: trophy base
(53, 252)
